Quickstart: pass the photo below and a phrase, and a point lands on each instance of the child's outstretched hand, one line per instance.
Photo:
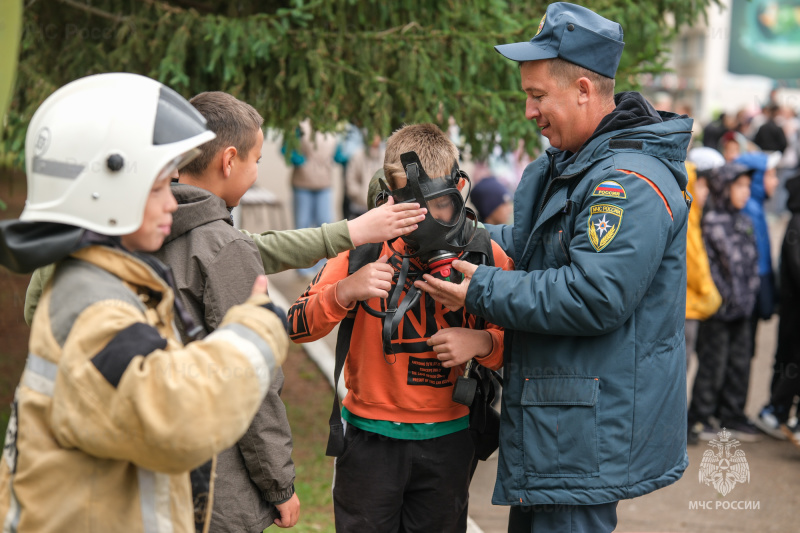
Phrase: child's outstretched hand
(456, 346)
(370, 281)
(385, 222)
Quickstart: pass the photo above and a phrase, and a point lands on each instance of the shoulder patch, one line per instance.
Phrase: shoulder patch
(604, 223)
(610, 189)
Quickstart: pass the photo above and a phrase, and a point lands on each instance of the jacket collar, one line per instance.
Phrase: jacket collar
(633, 126)
(125, 266)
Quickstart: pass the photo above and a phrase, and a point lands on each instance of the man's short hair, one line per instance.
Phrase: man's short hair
(235, 123)
(565, 73)
(435, 150)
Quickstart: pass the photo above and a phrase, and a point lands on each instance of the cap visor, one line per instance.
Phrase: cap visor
(524, 52)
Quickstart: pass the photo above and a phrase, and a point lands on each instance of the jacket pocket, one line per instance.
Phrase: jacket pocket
(560, 426)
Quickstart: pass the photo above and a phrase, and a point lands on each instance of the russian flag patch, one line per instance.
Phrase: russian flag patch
(610, 189)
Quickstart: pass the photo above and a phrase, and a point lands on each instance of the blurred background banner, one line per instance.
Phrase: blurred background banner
(765, 38)
(10, 26)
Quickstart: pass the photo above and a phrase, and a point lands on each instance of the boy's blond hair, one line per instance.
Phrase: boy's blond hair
(236, 124)
(435, 150)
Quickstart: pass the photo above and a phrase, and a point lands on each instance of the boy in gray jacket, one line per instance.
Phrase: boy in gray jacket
(212, 262)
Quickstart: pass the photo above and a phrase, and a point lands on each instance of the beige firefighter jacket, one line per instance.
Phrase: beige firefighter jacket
(112, 412)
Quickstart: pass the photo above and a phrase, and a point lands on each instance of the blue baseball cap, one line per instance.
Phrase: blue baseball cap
(575, 34)
(487, 195)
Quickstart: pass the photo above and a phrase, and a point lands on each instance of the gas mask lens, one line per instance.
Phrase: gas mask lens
(445, 209)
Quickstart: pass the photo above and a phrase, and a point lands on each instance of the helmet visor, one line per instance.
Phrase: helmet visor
(176, 119)
(177, 163)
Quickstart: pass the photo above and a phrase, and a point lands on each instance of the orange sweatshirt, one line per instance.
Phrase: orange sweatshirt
(410, 386)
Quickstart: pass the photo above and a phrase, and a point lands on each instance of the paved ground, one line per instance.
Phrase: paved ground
(774, 484)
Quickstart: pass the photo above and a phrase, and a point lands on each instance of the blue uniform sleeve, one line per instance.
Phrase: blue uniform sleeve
(607, 277)
(502, 234)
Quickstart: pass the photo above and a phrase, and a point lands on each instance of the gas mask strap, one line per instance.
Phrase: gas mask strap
(393, 321)
(391, 311)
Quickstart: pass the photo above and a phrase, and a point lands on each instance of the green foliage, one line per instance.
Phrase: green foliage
(378, 64)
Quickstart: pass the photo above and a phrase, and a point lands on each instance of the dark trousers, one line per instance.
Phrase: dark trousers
(558, 518)
(385, 485)
(723, 372)
(785, 391)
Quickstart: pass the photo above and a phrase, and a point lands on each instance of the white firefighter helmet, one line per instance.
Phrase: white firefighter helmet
(95, 147)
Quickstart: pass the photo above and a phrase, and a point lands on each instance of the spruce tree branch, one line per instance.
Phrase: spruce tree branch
(401, 29)
(440, 35)
(173, 9)
(94, 11)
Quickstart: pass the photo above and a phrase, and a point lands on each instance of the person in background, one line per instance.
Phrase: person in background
(770, 136)
(702, 297)
(312, 179)
(492, 201)
(785, 387)
(775, 414)
(790, 158)
(351, 139)
(732, 145)
(714, 130)
(683, 108)
(764, 183)
(361, 166)
(723, 341)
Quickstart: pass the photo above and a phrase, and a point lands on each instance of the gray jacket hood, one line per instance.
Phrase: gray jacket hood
(196, 207)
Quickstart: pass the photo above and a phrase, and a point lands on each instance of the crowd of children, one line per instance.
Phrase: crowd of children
(743, 289)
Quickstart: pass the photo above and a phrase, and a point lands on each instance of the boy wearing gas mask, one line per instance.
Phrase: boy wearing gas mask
(406, 455)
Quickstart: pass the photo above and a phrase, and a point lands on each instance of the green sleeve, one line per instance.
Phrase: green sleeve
(301, 248)
(39, 279)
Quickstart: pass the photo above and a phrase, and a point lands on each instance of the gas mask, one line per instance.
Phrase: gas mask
(449, 225)
(447, 230)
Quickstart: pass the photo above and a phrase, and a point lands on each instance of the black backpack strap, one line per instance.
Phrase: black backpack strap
(481, 244)
(362, 255)
(484, 420)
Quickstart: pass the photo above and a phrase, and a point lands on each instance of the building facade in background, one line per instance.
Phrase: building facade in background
(733, 61)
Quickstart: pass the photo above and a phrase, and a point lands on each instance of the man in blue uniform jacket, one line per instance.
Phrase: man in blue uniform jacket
(594, 404)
